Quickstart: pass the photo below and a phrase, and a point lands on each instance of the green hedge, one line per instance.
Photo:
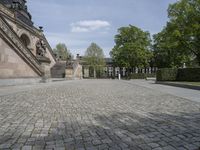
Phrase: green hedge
(186, 74)
(166, 74)
(141, 76)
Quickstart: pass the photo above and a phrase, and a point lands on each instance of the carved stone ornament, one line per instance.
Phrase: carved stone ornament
(41, 48)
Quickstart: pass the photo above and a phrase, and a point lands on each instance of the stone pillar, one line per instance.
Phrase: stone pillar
(143, 70)
(136, 70)
(45, 65)
(149, 70)
(146, 70)
(46, 69)
(69, 73)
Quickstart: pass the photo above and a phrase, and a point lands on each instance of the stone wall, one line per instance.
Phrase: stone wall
(11, 65)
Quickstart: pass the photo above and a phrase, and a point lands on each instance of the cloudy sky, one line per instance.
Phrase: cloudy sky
(77, 23)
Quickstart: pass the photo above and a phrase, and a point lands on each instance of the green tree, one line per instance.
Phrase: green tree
(62, 52)
(184, 15)
(94, 57)
(132, 48)
(179, 41)
(168, 52)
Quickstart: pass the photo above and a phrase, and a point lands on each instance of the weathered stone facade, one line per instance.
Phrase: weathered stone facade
(18, 44)
(74, 69)
(11, 65)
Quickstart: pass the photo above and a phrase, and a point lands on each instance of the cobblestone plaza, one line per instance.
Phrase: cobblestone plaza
(97, 115)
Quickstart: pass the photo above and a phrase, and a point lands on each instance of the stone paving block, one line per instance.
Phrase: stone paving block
(97, 114)
(158, 148)
(145, 147)
(153, 145)
(96, 142)
(27, 148)
(181, 148)
(168, 148)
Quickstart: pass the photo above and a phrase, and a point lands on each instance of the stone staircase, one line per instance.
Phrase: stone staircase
(58, 70)
(9, 35)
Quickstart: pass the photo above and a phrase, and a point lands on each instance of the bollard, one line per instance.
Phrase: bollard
(119, 76)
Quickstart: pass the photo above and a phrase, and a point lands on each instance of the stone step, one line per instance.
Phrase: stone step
(58, 70)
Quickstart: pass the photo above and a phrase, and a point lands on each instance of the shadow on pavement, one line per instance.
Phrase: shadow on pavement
(117, 131)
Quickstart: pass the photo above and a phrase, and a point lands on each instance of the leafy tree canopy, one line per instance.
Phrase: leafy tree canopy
(132, 48)
(94, 55)
(62, 52)
(179, 41)
(168, 51)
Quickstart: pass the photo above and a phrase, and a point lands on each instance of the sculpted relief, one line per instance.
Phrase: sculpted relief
(40, 48)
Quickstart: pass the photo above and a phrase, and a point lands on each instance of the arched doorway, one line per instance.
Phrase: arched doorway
(26, 41)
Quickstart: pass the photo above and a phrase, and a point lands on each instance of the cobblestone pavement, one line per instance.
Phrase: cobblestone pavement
(98, 115)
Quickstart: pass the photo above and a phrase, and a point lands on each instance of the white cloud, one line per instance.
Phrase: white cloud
(79, 29)
(89, 25)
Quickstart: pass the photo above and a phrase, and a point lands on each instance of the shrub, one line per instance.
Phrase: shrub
(183, 74)
(188, 74)
(166, 74)
(152, 75)
(138, 76)
(141, 76)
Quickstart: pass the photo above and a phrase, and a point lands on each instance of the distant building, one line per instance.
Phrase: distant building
(109, 70)
(112, 71)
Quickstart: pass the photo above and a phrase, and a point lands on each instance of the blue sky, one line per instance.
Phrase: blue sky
(78, 23)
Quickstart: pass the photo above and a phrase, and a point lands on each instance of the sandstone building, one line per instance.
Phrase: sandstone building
(24, 50)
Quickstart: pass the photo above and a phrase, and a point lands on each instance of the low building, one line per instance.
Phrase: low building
(110, 70)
